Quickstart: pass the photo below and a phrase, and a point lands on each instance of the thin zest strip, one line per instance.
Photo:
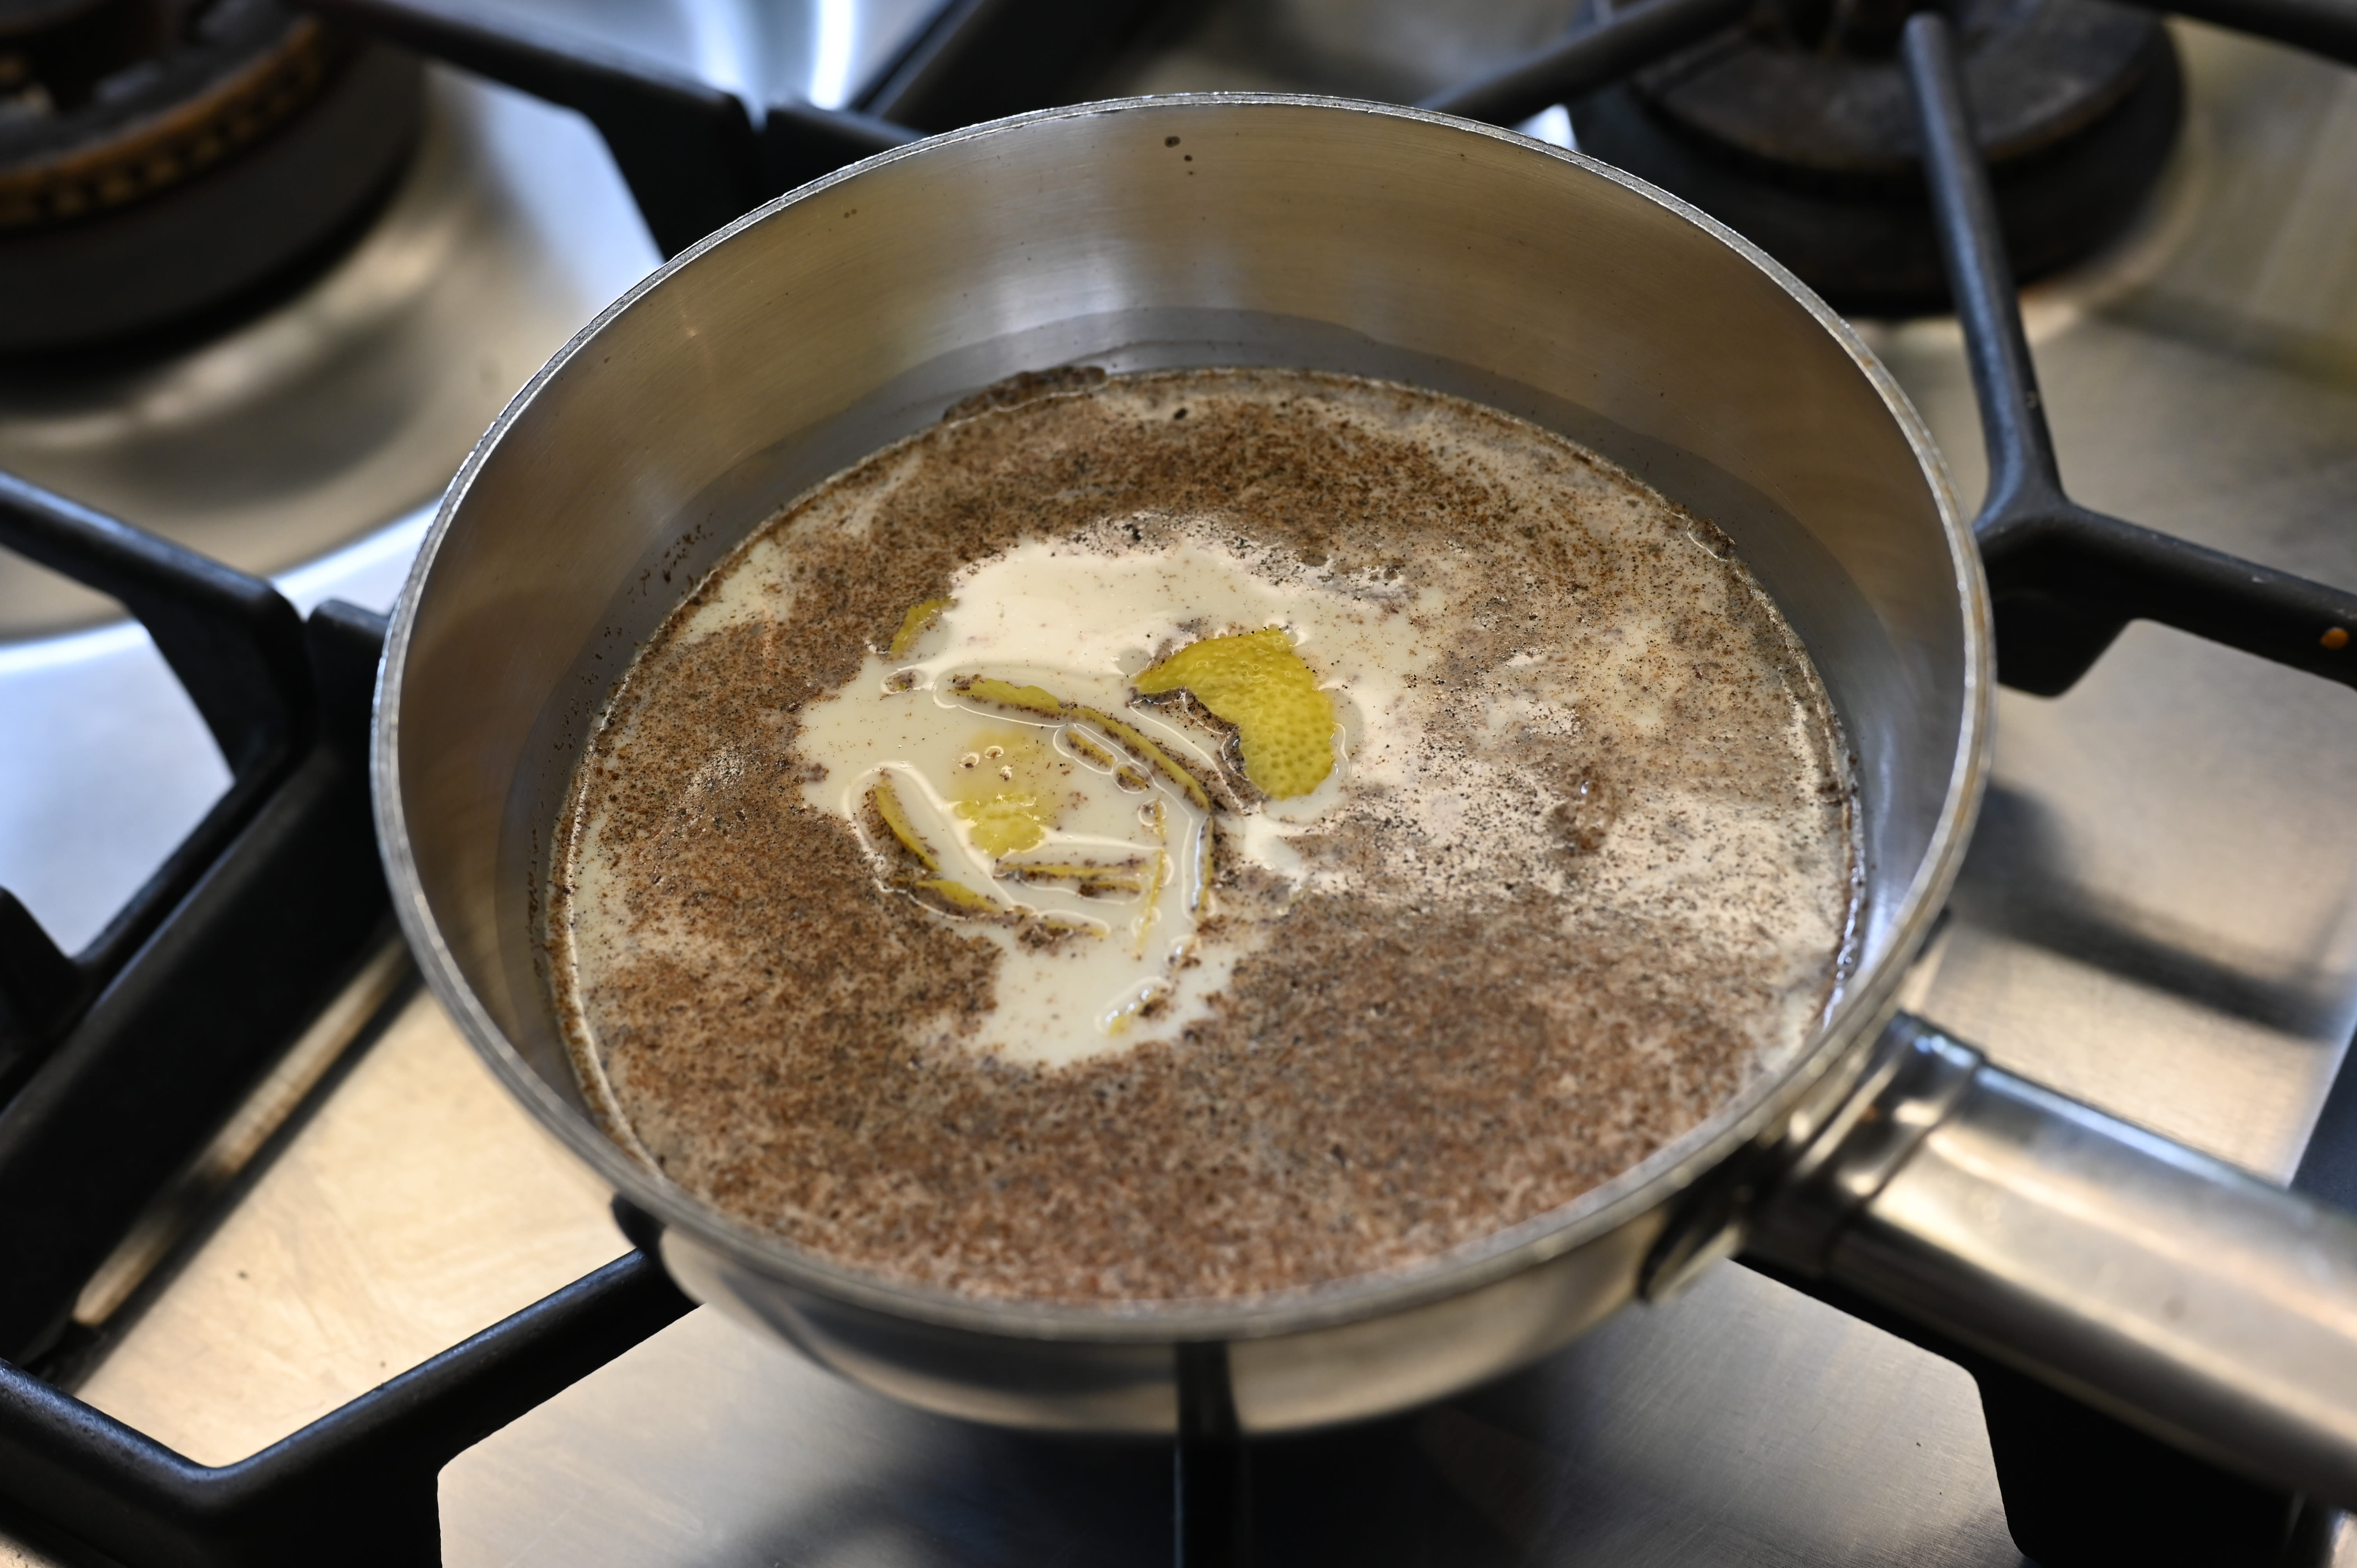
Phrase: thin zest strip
(1145, 751)
(886, 801)
(1105, 878)
(1046, 705)
(957, 893)
(916, 623)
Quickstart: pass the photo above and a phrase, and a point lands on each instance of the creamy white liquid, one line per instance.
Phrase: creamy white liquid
(1081, 625)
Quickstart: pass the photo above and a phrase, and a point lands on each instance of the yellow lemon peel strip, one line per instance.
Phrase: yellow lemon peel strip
(887, 805)
(1090, 749)
(1255, 680)
(916, 623)
(1161, 875)
(959, 894)
(1007, 694)
(1145, 751)
(1091, 877)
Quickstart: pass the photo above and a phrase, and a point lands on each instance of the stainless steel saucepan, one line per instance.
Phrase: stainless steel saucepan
(1231, 230)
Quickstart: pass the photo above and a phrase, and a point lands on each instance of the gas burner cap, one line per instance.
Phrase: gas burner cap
(80, 143)
(54, 53)
(1800, 132)
(231, 136)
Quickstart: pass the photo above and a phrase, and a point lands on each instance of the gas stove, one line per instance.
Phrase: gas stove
(2158, 914)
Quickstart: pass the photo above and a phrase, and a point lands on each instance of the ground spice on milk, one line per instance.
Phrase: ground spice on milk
(1589, 869)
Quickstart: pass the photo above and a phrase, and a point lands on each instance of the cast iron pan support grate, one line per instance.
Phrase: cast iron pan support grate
(2066, 580)
(247, 931)
(1211, 1466)
(359, 1484)
(237, 650)
(692, 156)
(2327, 28)
(2079, 1487)
(119, 1064)
(358, 1487)
(695, 160)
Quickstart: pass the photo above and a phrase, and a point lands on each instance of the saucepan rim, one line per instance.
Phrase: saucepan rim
(1757, 1115)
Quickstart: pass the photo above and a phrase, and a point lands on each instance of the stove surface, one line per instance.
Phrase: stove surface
(2159, 915)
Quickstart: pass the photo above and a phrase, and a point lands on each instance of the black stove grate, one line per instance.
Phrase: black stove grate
(237, 648)
(118, 1063)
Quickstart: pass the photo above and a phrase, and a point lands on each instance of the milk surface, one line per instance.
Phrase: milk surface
(1082, 624)
(901, 911)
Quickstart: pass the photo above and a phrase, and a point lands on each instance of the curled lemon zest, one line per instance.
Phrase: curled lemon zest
(916, 623)
(1007, 694)
(886, 801)
(950, 891)
(1256, 681)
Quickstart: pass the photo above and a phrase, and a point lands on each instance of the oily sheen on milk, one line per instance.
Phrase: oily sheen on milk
(1199, 835)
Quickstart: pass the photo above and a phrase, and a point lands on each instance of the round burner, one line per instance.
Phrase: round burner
(162, 159)
(54, 53)
(1800, 132)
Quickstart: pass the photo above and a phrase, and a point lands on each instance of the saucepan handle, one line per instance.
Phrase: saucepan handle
(2180, 1293)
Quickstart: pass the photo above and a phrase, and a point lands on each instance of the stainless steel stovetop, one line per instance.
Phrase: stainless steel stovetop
(2159, 914)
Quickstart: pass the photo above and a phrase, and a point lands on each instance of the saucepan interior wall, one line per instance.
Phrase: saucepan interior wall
(1431, 239)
